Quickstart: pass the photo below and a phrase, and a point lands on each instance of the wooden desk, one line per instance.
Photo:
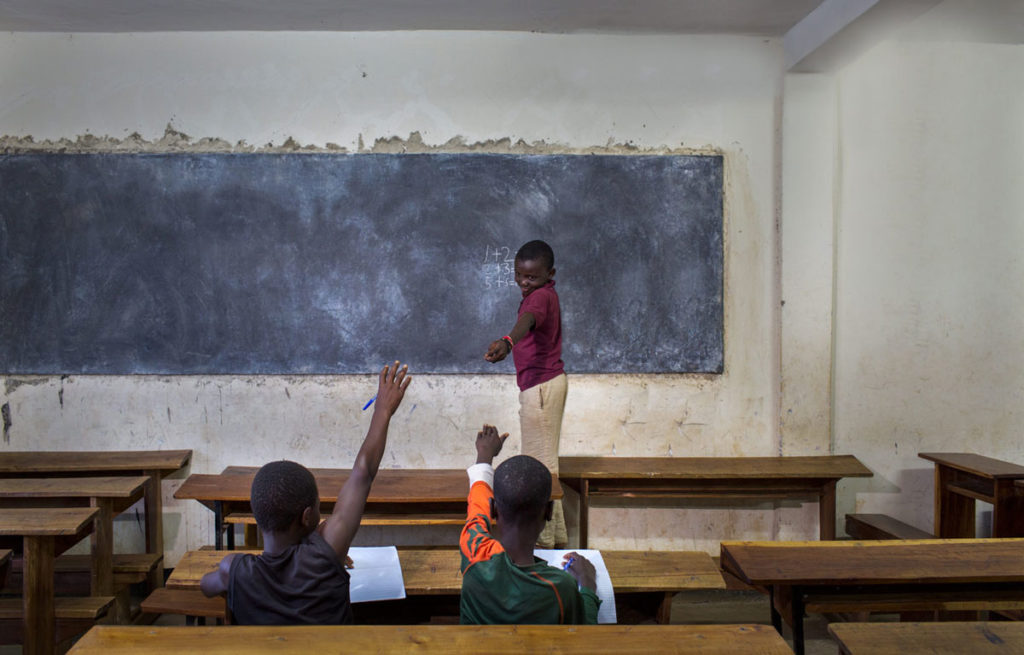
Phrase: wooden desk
(398, 492)
(911, 570)
(45, 533)
(435, 572)
(751, 478)
(155, 464)
(109, 495)
(436, 639)
(942, 638)
(963, 478)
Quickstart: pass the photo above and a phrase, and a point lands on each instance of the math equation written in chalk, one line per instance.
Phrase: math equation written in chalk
(499, 267)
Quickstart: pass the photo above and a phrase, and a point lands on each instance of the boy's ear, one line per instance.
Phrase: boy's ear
(549, 510)
(494, 509)
(551, 273)
(307, 518)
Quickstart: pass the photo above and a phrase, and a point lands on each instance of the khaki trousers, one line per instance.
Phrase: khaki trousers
(540, 421)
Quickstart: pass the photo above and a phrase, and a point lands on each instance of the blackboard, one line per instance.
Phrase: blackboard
(250, 263)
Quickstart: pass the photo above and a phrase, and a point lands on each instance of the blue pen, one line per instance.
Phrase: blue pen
(565, 567)
(369, 402)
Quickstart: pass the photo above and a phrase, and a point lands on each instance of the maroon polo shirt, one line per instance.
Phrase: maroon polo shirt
(538, 355)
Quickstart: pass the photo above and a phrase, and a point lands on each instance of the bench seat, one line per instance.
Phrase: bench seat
(908, 601)
(74, 615)
(882, 526)
(186, 602)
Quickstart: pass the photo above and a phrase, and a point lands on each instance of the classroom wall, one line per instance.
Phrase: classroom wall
(487, 90)
(929, 300)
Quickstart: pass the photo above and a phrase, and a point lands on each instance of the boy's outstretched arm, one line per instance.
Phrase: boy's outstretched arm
(340, 528)
(501, 348)
(215, 582)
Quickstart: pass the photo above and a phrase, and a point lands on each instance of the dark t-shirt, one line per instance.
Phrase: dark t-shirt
(305, 584)
(538, 355)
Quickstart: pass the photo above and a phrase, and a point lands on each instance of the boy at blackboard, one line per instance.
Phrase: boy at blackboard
(535, 342)
(300, 576)
(503, 582)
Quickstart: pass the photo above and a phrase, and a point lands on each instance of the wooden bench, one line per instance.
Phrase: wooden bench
(882, 526)
(436, 639)
(890, 575)
(397, 495)
(73, 615)
(640, 479)
(650, 577)
(943, 638)
(190, 603)
(154, 464)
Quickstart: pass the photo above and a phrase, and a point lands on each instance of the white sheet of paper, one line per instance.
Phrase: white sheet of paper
(376, 574)
(606, 613)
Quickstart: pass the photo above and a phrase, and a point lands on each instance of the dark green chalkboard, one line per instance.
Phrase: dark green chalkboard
(320, 263)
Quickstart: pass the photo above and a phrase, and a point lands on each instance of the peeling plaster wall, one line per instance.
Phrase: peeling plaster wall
(355, 92)
(929, 295)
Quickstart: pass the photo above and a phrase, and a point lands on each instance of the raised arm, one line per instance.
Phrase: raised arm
(340, 528)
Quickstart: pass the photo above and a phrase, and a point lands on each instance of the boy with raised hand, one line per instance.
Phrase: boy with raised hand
(502, 580)
(300, 577)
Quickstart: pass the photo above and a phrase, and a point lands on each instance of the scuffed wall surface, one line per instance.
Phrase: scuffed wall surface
(929, 297)
(364, 92)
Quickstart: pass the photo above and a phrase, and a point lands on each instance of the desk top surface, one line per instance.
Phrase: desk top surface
(436, 571)
(45, 521)
(390, 485)
(985, 467)
(454, 639)
(938, 638)
(695, 468)
(98, 487)
(23, 462)
(924, 561)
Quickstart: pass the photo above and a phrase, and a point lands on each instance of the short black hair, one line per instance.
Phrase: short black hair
(522, 487)
(280, 492)
(534, 250)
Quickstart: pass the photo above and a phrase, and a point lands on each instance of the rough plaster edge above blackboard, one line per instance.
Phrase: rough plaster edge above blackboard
(176, 141)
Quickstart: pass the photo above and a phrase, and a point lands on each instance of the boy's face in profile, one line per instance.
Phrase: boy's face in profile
(532, 274)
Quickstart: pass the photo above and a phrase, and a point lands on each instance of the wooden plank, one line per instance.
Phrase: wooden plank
(882, 526)
(64, 607)
(704, 468)
(34, 461)
(45, 521)
(980, 465)
(921, 561)
(37, 595)
(372, 518)
(432, 571)
(942, 638)
(88, 487)
(411, 486)
(184, 602)
(453, 639)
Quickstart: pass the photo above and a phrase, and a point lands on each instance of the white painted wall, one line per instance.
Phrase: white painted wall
(571, 92)
(929, 298)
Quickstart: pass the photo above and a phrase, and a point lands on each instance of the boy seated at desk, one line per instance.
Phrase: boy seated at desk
(502, 580)
(300, 577)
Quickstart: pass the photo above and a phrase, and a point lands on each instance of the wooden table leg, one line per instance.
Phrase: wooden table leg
(664, 615)
(37, 596)
(155, 526)
(827, 512)
(584, 511)
(954, 514)
(218, 524)
(1008, 510)
(102, 542)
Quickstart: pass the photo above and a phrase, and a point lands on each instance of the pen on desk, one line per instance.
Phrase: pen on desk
(369, 402)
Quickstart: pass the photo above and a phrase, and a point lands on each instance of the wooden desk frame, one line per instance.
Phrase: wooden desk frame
(735, 478)
(963, 478)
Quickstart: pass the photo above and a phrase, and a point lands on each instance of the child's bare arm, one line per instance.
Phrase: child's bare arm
(488, 444)
(215, 582)
(501, 348)
(340, 528)
(580, 568)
